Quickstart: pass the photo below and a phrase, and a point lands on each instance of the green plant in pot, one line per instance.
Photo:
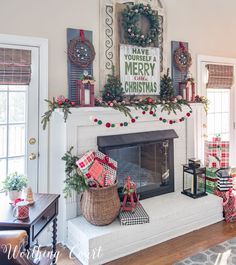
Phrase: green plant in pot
(14, 184)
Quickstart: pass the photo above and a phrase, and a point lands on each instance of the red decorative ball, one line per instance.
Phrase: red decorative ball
(171, 122)
(133, 120)
(72, 103)
(67, 100)
(150, 100)
(108, 125)
(180, 120)
(188, 114)
(160, 118)
(121, 124)
(151, 112)
(144, 112)
(95, 120)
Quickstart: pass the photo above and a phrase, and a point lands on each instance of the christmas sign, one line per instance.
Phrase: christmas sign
(140, 70)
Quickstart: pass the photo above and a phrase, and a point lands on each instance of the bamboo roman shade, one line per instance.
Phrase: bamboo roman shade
(220, 76)
(15, 66)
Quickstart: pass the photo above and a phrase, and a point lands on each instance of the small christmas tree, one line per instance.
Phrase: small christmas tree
(113, 88)
(167, 89)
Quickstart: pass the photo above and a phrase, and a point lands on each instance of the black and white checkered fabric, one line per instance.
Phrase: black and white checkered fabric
(224, 180)
(139, 216)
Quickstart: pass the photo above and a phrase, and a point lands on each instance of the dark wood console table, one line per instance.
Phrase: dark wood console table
(42, 212)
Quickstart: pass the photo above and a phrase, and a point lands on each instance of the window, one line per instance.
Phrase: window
(218, 118)
(12, 129)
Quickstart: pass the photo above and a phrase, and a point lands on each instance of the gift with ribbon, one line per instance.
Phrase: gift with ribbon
(85, 162)
(110, 166)
(97, 172)
(229, 204)
(217, 153)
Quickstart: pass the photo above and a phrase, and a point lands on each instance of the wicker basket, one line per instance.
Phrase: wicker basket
(100, 206)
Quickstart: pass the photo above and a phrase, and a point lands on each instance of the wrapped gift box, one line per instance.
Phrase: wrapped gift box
(218, 149)
(139, 216)
(211, 180)
(229, 205)
(110, 166)
(85, 162)
(224, 179)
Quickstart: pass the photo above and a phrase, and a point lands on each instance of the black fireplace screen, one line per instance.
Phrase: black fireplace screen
(150, 165)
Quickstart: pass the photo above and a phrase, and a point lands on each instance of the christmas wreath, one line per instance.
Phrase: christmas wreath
(183, 59)
(131, 16)
(81, 51)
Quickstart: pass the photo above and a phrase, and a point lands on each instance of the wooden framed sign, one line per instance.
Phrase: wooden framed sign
(140, 70)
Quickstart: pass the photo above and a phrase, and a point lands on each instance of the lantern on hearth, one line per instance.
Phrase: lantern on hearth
(85, 93)
(194, 179)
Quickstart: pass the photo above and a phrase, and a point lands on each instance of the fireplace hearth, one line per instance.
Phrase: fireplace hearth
(148, 157)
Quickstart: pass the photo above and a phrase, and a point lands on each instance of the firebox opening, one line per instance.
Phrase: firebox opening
(147, 157)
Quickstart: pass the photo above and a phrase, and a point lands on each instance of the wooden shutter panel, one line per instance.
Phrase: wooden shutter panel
(220, 76)
(15, 66)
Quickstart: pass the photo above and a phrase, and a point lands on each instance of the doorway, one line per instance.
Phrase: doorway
(21, 137)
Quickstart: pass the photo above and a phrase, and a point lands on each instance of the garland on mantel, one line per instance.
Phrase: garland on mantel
(133, 120)
(147, 106)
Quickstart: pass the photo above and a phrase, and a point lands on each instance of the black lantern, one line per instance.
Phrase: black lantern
(194, 179)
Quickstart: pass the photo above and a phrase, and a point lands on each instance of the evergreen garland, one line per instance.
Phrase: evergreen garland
(166, 87)
(113, 90)
(74, 180)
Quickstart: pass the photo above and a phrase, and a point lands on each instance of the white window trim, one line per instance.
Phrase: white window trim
(42, 45)
(201, 91)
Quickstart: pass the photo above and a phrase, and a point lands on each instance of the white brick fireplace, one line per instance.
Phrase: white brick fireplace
(79, 131)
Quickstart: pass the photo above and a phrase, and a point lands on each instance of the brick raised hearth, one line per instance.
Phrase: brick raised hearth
(171, 214)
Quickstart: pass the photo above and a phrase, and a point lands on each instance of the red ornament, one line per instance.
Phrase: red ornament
(133, 120)
(60, 102)
(121, 124)
(150, 100)
(171, 122)
(151, 112)
(188, 114)
(72, 103)
(95, 120)
(108, 125)
(181, 120)
(160, 118)
(144, 112)
(66, 100)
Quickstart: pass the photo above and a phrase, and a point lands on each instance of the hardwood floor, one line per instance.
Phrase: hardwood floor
(173, 250)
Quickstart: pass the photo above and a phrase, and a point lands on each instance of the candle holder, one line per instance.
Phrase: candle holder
(194, 179)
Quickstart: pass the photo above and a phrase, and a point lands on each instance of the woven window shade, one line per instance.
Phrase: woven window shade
(220, 76)
(15, 66)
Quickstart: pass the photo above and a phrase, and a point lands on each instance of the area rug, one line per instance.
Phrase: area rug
(222, 254)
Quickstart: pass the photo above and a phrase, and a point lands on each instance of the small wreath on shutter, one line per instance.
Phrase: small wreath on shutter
(183, 59)
(81, 51)
(131, 16)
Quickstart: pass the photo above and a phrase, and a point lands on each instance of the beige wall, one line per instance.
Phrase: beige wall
(208, 25)
(49, 19)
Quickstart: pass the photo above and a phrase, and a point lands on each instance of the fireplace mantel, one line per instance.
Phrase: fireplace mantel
(81, 132)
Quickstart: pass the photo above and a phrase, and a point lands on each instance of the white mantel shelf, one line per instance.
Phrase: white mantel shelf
(81, 132)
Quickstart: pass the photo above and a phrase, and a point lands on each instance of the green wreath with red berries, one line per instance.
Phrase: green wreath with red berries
(131, 15)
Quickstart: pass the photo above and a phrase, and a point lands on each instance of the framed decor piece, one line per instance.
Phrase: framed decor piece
(140, 70)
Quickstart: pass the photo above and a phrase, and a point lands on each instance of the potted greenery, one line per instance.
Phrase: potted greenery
(14, 184)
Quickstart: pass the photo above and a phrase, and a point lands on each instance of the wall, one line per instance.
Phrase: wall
(49, 19)
(209, 27)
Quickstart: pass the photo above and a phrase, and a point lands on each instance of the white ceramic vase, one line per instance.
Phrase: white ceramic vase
(14, 194)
